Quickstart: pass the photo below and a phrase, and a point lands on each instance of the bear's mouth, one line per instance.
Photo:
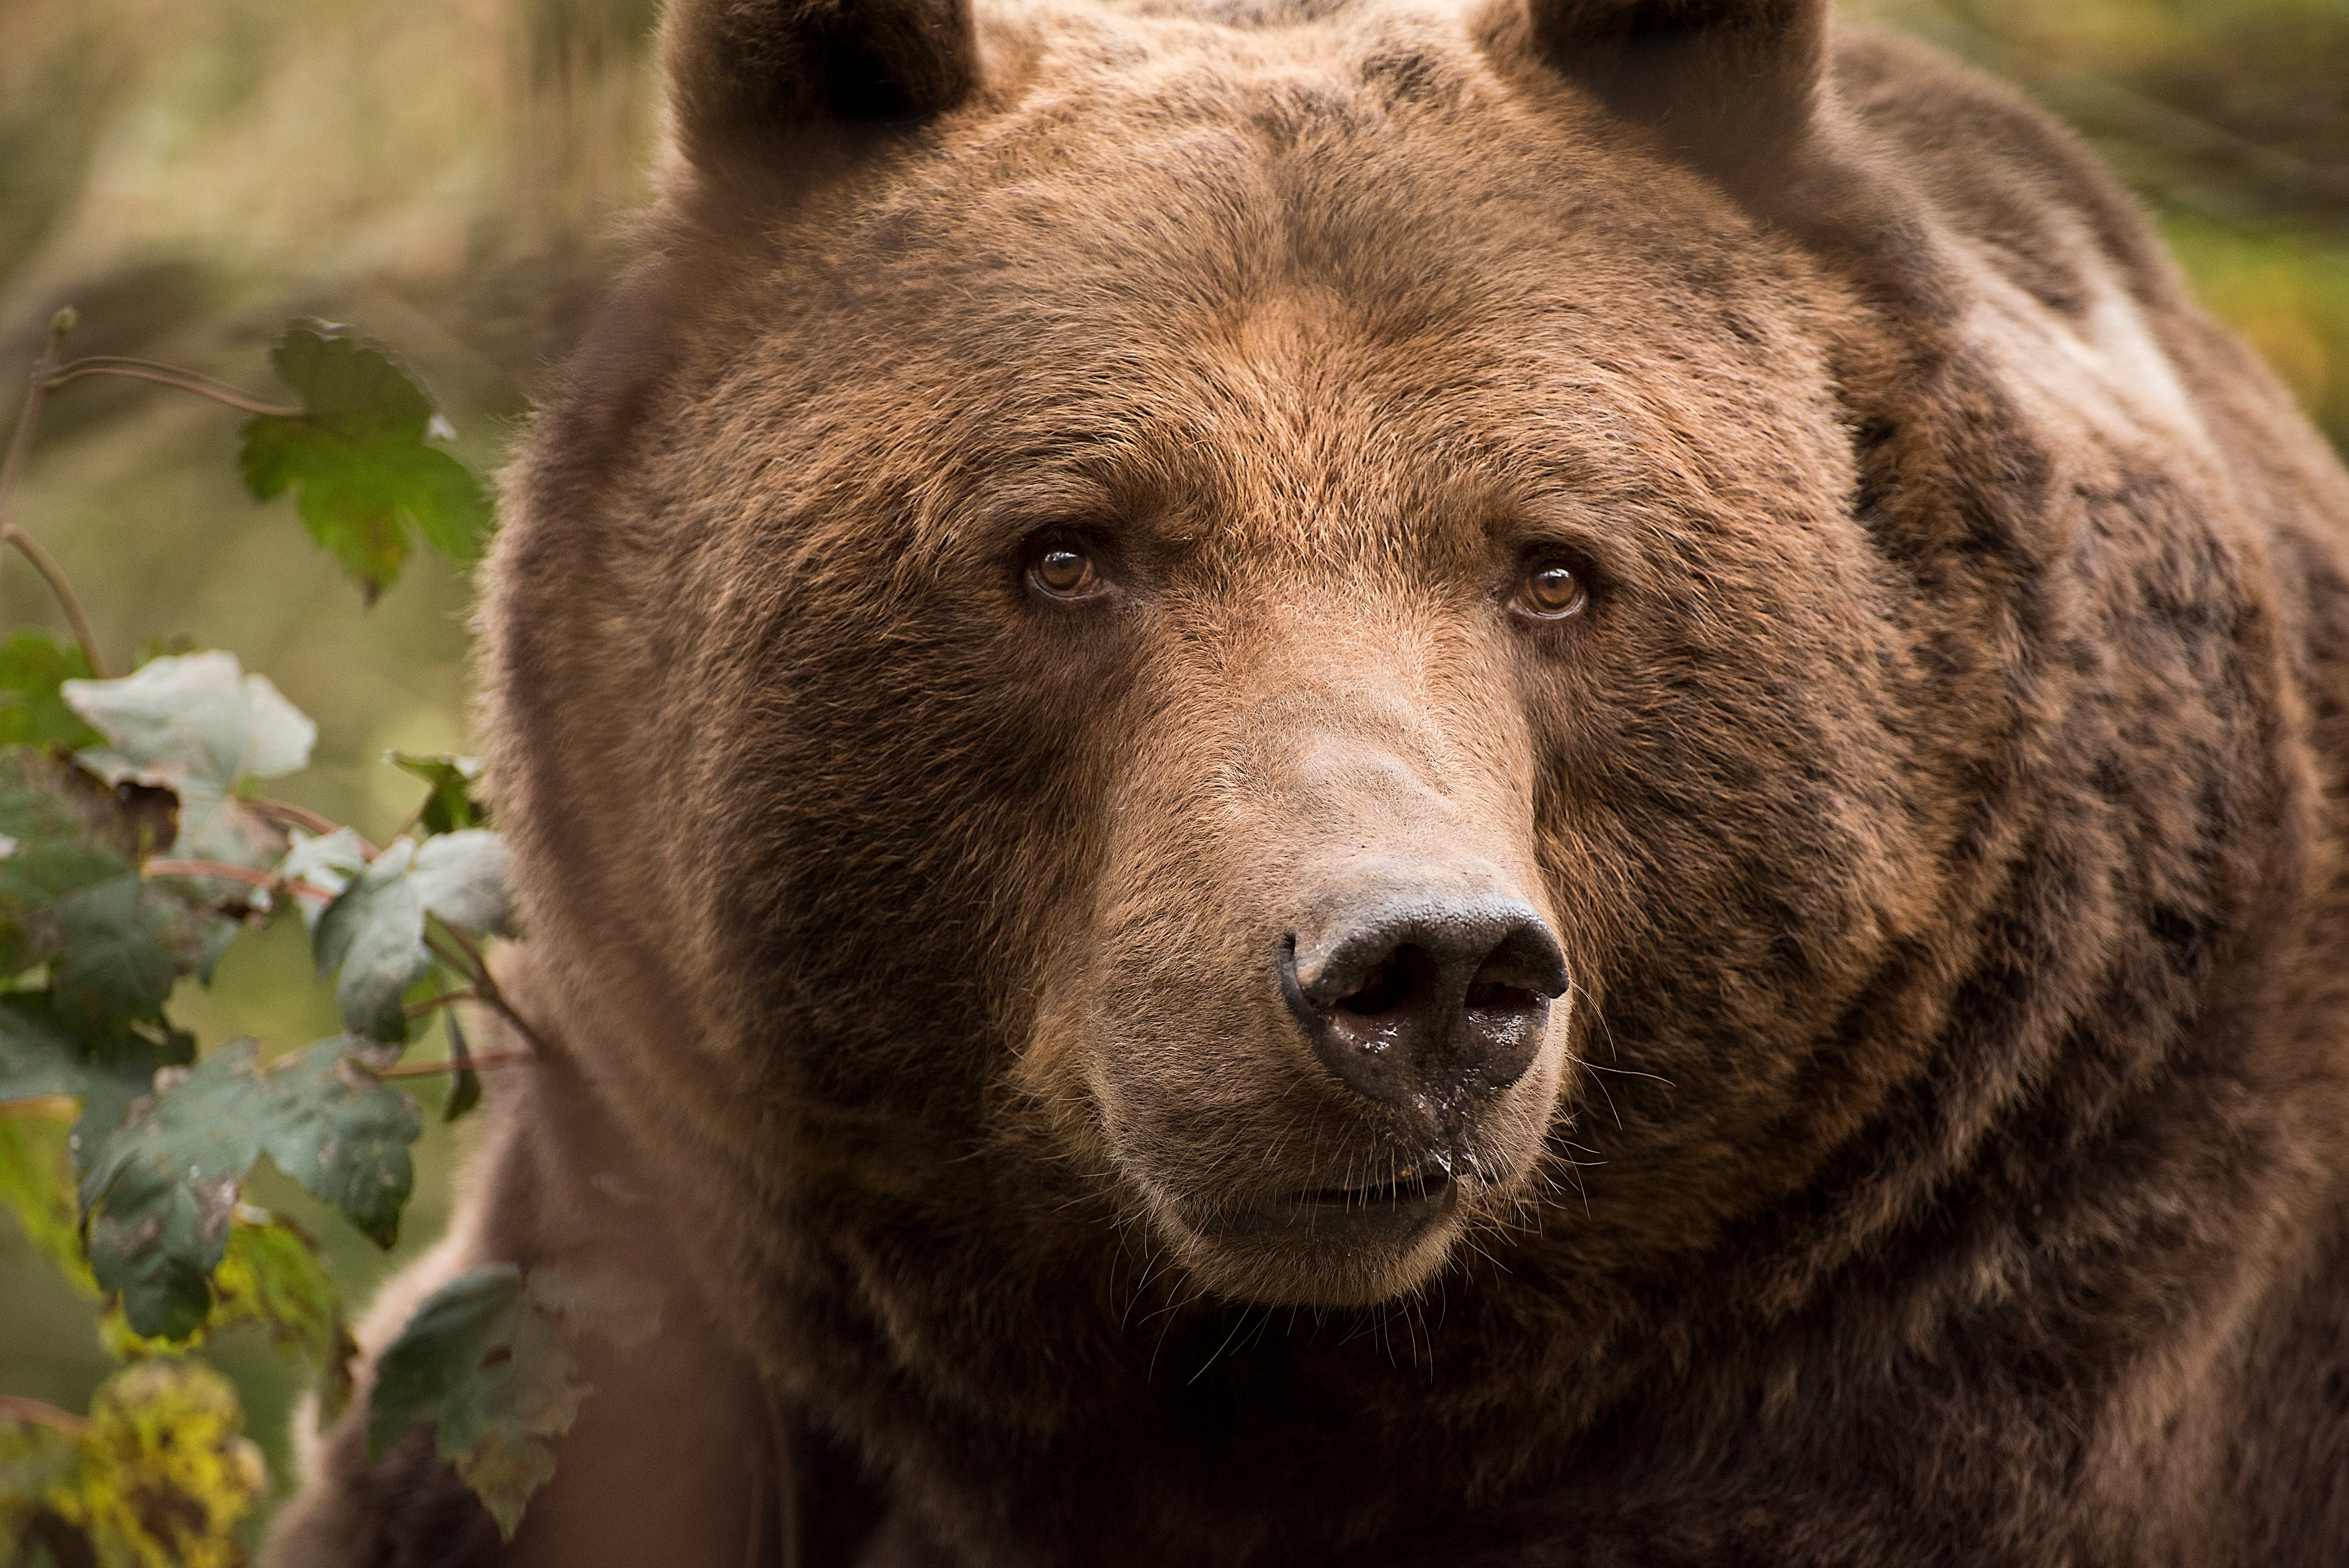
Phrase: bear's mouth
(1390, 1211)
(1411, 1188)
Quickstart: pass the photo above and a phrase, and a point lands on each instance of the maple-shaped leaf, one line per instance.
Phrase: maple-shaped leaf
(374, 932)
(358, 459)
(160, 1193)
(71, 894)
(490, 1362)
(327, 862)
(270, 1274)
(198, 724)
(41, 1060)
(450, 807)
(33, 665)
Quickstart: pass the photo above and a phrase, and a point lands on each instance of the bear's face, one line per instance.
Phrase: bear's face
(1288, 589)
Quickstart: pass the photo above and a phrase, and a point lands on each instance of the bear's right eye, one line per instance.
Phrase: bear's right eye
(1065, 571)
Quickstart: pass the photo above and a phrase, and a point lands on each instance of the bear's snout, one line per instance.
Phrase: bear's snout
(1422, 987)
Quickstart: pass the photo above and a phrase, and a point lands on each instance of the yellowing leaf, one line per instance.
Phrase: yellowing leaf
(271, 1274)
(36, 1182)
(163, 1472)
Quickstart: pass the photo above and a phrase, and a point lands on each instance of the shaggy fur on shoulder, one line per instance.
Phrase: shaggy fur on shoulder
(1067, 499)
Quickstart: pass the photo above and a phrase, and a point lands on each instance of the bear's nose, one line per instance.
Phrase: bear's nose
(1416, 998)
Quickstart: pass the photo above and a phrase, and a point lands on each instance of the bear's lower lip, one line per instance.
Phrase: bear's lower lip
(1390, 1212)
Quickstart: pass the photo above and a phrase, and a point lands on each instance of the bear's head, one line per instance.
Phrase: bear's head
(1229, 645)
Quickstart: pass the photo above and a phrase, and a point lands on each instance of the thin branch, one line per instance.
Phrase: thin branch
(475, 968)
(168, 375)
(29, 417)
(477, 1059)
(471, 951)
(303, 817)
(20, 448)
(53, 576)
(434, 1004)
(39, 1413)
(159, 867)
(41, 1108)
(476, 973)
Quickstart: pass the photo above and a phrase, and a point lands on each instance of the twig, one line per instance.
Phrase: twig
(233, 874)
(53, 576)
(20, 446)
(477, 1059)
(434, 1004)
(303, 817)
(471, 950)
(41, 1108)
(39, 1413)
(469, 965)
(167, 375)
(476, 970)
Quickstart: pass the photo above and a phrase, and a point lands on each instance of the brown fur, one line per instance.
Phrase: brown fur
(1941, 1157)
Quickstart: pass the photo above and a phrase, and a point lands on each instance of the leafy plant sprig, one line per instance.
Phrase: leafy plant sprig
(133, 853)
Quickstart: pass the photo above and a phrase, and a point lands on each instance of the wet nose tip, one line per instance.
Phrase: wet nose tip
(1418, 998)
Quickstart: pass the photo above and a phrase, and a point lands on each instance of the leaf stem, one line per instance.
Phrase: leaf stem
(167, 375)
(434, 1004)
(476, 973)
(41, 1108)
(53, 576)
(20, 446)
(475, 968)
(303, 817)
(39, 1413)
(476, 1059)
(268, 880)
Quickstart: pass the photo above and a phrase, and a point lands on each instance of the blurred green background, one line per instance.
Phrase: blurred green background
(447, 177)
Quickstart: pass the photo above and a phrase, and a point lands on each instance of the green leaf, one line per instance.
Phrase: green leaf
(490, 1362)
(198, 716)
(270, 1274)
(163, 1473)
(327, 862)
(450, 806)
(160, 1192)
(374, 932)
(32, 667)
(117, 950)
(198, 724)
(39, 1059)
(71, 894)
(357, 455)
(342, 1133)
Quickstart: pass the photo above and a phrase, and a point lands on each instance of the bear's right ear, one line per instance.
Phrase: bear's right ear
(743, 71)
(1728, 85)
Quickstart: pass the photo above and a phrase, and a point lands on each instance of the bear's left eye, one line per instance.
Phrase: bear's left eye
(1551, 592)
(1065, 571)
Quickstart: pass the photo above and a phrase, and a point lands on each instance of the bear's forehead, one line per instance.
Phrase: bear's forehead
(1194, 273)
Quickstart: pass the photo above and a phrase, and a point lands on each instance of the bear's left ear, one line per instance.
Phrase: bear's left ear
(744, 71)
(1728, 85)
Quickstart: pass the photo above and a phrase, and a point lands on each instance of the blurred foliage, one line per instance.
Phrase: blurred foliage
(190, 177)
(447, 177)
(2230, 118)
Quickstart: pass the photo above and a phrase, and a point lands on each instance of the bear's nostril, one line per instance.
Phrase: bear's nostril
(1488, 996)
(1404, 981)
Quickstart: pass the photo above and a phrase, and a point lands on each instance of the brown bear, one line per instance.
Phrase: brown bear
(1311, 781)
